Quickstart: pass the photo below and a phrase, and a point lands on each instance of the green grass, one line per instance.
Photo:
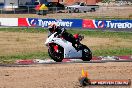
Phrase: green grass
(44, 55)
(113, 52)
(99, 52)
(100, 33)
(12, 58)
(24, 29)
(92, 33)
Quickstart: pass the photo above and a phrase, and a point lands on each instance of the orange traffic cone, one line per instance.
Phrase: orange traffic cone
(84, 80)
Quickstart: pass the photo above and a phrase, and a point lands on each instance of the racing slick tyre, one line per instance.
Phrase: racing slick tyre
(56, 56)
(86, 53)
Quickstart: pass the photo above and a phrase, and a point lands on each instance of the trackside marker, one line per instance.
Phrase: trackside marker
(39, 61)
(25, 62)
(94, 59)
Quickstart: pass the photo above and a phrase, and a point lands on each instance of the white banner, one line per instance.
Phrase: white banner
(8, 21)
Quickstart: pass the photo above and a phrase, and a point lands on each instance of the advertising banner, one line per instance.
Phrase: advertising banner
(107, 23)
(36, 22)
(8, 22)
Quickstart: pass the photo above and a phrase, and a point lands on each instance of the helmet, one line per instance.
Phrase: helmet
(52, 27)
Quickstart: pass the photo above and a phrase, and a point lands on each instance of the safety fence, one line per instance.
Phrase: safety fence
(102, 11)
(28, 10)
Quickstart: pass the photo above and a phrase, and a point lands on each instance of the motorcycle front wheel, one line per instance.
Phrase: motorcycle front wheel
(56, 56)
(86, 53)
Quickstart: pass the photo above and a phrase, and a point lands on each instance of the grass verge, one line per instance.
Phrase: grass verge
(92, 33)
(98, 52)
(44, 55)
(12, 58)
(113, 52)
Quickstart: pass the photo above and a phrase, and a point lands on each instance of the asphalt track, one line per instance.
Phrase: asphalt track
(48, 63)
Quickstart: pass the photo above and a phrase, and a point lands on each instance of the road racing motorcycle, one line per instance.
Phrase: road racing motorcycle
(59, 49)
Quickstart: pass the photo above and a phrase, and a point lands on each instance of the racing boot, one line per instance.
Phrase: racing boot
(75, 46)
(78, 46)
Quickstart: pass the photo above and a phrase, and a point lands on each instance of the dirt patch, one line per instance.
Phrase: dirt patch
(62, 75)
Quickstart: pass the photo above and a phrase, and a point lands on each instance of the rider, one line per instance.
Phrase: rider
(67, 36)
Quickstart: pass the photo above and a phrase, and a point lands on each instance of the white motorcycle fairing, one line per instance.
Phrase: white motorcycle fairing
(69, 50)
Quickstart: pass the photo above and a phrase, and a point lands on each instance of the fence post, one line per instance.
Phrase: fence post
(56, 10)
(14, 11)
(28, 9)
(1, 11)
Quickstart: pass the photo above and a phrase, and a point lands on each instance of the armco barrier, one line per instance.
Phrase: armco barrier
(107, 23)
(35, 22)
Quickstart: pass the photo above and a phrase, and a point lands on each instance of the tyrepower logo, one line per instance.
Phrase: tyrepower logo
(107, 23)
(101, 24)
(35, 22)
(59, 23)
(111, 24)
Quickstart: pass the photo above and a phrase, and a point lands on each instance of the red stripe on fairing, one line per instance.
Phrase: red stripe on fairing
(22, 22)
(88, 24)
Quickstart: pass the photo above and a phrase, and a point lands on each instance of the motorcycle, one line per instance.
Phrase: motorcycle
(59, 49)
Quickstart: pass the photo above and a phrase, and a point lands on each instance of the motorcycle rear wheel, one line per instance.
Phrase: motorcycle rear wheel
(56, 56)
